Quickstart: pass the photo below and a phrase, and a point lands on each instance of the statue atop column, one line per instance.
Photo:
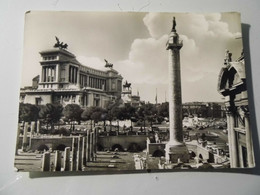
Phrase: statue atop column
(173, 25)
(59, 44)
(228, 57)
(108, 65)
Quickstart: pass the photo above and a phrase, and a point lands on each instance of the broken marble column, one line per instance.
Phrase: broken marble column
(84, 160)
(57, 162)
(88, 146)
(94, 141)
(38, 126)
(66, 162)
(32, 132)
(91, 147)
(46, 159)
(32, 127)
(79, 154)
(25, 138)
(74, 153)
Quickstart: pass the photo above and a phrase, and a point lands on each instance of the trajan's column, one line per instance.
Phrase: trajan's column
(175, 149)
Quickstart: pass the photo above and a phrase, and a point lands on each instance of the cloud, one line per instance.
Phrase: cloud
(152, 21)
(195, 26)
(205, 38)
(147, 61)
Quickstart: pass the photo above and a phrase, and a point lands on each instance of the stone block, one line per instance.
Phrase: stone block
(176, 153)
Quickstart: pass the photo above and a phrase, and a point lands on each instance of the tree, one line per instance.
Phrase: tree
(51, 114)
(126, 112)
(147, 112)
(28, 112)
(150, 113)
(86, 115)
(113, 112)
(140, 114)
(163, 110)
(111, 115)
(95, 114)
(73, 113)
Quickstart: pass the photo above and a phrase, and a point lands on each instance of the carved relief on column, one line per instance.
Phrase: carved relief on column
(249, 143)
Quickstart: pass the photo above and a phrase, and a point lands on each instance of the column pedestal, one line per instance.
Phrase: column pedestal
(175, 153)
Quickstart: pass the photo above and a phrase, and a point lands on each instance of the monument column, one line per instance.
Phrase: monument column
(249, 143)
(78, 78)
(228, 113)
(57, 73)
(233, 142)
(175, 149)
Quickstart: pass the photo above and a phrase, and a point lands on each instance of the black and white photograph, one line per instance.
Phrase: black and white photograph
(114, 92)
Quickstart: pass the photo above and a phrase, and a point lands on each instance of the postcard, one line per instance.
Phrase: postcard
(127, 91)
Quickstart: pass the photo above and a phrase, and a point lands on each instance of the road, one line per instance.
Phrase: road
(222, 137)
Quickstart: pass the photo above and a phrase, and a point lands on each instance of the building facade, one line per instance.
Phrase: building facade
(204, 109)
(64, 80)
(232, 85)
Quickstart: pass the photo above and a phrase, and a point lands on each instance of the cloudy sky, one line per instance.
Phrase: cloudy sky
(135, 44)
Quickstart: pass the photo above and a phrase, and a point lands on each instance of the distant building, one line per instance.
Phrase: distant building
(232, 85)
(64, 80)
(204, 109)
